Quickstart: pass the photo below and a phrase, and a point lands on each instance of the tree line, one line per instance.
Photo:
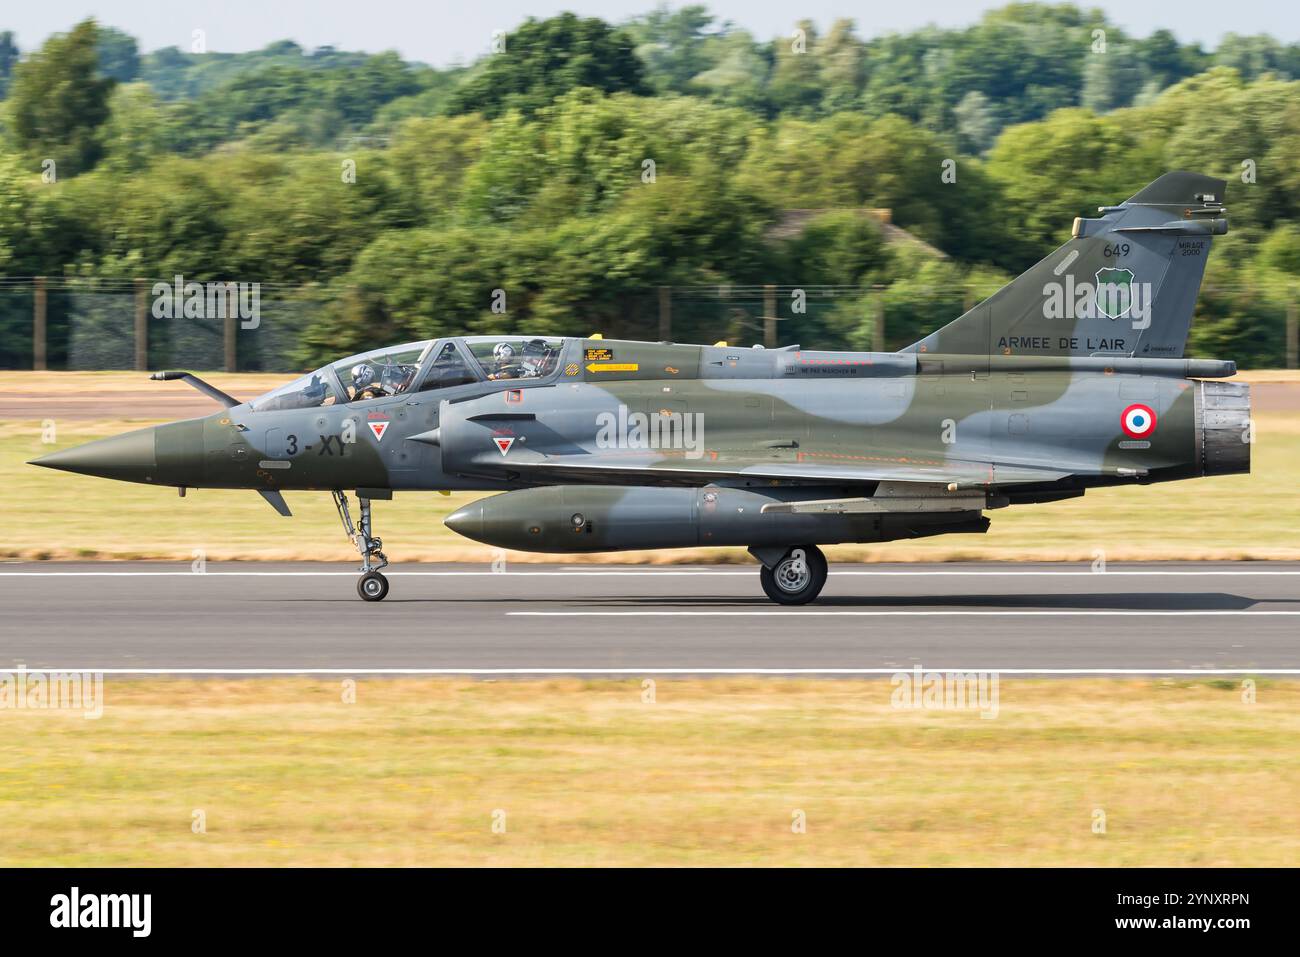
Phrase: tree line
(587, 164)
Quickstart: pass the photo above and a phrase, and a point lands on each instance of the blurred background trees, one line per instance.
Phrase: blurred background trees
(587, 164)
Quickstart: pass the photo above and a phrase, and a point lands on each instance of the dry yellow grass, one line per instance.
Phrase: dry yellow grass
(24, 382)
(1268, 375)
(586, 773)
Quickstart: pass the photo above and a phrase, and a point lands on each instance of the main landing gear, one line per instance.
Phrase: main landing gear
(372, 586)
(793, 576)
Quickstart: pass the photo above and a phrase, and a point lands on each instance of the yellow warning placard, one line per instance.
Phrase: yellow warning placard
(613, 367)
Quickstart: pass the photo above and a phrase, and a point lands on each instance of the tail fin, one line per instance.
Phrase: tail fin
(1125, 284)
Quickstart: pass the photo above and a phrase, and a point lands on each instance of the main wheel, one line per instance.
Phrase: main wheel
(372, 586)
(797, 578)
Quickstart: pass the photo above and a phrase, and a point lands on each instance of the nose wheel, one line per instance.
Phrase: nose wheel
(372, 586)
(795, 578)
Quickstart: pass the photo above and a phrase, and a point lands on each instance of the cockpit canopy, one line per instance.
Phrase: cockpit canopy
(417, 367)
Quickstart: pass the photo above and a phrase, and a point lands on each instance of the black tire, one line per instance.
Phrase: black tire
(372, 586)
(786, 584)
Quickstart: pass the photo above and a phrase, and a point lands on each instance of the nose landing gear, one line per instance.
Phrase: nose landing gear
(792, 577)
(372, 586)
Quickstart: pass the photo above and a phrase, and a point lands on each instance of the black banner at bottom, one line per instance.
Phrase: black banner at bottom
(332, 906)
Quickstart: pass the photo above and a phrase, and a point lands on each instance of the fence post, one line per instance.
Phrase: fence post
(665, 314)
(878, 325)
(1292, 336)
(141, 327)
(231, 325)
(769, 316)
(38, 325)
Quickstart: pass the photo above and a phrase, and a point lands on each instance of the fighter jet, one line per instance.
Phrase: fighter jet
(1070, 377)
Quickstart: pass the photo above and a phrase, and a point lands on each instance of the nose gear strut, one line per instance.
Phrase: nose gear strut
(372, 586)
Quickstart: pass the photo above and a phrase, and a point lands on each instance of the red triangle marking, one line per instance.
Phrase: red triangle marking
(379, 428)
(504, 444)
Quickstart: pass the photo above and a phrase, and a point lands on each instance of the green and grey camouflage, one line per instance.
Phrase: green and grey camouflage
(1070, 377)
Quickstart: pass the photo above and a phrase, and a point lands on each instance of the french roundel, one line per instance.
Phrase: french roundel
(1138, 421)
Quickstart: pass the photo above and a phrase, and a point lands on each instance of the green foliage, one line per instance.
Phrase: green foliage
(58, 101)
(307, 106)
(738, 76)
(428, 157)
(886, 164)
(977, 122)
(21, 237)
(795, 86)
(176, 74)
(586, 165)
(119, 59)
(1049, 172)
(674, 46)
(136, 132)
(1255, 128)
(841, 247)
(390, 296)
(431, 100)
(1281, 250)
(545, 59)
(8, 57)
(1256, 55)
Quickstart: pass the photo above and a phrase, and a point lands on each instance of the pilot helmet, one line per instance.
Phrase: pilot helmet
(362, 375)
(503, 352)
(535, 351)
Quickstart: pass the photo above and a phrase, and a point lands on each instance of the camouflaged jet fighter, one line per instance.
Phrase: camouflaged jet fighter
(1068, 378)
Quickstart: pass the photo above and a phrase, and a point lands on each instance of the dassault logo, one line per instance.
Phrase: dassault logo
(103, 910)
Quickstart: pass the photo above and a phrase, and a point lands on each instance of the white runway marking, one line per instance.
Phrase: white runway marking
(638, 672)
(767, 613)
(749, 572)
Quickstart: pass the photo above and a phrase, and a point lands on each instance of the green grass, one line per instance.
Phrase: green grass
(711, 773)
(58, 515)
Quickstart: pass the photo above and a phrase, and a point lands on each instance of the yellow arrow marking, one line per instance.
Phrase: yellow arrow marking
(613, 367)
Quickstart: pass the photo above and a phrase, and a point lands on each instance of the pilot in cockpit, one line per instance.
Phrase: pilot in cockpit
(529, 365)
(533, 363)
(503, 364)
(364, 385)
(393, 378)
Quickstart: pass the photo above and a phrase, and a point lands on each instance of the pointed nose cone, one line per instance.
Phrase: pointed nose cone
(130, 457)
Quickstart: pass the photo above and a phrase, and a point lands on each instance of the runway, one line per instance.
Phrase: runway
(530, 619)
